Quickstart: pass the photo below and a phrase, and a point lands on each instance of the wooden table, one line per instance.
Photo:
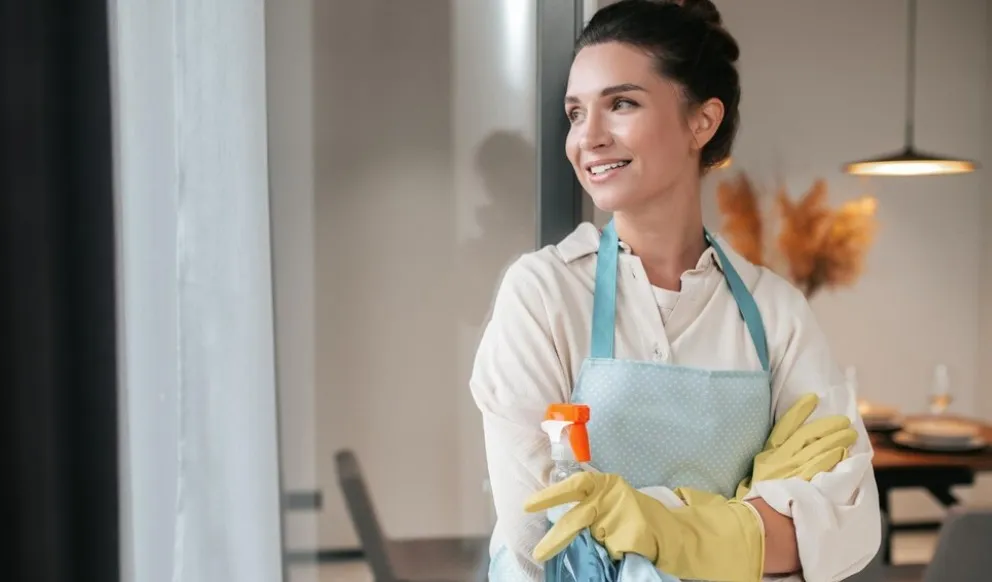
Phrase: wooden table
(898, 467)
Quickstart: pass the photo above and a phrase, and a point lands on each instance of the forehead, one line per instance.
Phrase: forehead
(608, 64)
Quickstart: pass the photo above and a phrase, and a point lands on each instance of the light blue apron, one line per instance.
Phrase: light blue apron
(660, 424)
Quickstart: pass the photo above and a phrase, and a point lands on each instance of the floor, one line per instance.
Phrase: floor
(334, 572)
(908, 548)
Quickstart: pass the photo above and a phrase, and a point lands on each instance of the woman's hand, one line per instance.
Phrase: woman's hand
(613, 511)
(797, 449)
(720, 541)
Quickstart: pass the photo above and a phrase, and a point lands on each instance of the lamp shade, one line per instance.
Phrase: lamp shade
(910, 162)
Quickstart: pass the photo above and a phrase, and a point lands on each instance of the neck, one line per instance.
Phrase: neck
(666, 235)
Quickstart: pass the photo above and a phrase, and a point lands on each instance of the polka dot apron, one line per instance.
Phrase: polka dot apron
(659, 424)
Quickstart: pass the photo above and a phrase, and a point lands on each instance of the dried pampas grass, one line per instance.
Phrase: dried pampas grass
(742, 218)
(821, 247)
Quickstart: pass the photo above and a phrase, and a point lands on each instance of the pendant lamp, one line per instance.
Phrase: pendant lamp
(910, 161)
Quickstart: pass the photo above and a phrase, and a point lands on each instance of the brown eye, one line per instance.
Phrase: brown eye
(623, 103)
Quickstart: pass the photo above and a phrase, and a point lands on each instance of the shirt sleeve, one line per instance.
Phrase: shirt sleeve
(517, 373)
(836, 514)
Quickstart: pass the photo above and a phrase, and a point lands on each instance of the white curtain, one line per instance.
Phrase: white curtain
(199, 444)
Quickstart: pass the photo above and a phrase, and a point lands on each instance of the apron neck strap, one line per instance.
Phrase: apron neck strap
(604, 307)
(604, 302)
(745, 303)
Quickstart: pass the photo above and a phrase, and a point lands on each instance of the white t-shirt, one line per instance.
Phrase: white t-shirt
(666, 300)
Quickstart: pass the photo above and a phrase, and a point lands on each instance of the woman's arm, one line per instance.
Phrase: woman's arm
(517, 373)
(829, 527)
(781, 549)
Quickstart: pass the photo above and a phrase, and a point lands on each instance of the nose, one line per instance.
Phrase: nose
(595, 133)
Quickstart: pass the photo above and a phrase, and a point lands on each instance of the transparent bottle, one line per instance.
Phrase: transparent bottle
(565, 425)
(565, 465)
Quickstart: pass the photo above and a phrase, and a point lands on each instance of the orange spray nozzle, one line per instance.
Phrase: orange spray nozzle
(576, 415)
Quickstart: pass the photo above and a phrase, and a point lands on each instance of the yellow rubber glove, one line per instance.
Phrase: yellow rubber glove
(797, 449)
(722, 542)
(793, 449)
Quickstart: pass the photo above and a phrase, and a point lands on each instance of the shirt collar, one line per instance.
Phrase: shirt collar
(584, 241)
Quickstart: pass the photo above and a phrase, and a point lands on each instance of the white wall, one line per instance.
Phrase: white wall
(983, 391)
(811, 103)
(823, 84)
(395, 128)
(424, 188)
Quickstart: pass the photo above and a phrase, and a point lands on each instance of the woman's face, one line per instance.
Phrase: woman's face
(630, 140)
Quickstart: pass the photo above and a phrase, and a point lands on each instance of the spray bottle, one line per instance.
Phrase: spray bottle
(565, 425)
(567, 422)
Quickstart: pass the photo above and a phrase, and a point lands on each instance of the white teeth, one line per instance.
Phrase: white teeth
(604, 167)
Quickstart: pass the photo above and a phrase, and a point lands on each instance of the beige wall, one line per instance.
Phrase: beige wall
(424, 189)
(356, 177)
(811, 103)
(824, 83)
(983, 390)
(830, 90)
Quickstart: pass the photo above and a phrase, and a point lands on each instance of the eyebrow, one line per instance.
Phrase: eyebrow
(613, 90)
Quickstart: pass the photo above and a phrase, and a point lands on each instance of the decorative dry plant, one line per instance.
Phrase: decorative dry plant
(742, 224)
(820, 246)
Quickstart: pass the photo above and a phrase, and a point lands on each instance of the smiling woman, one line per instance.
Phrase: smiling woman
(686, 354)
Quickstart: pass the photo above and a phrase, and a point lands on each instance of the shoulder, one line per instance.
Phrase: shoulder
(785, 310)
(542, 274)
(778, 296)
(774, 294)
(794, 334)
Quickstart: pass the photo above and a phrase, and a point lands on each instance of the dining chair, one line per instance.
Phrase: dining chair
(459, 559)
(964, 547)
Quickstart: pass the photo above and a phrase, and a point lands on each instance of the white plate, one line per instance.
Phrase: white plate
(875, 412)
(940, 431)
(906, 439)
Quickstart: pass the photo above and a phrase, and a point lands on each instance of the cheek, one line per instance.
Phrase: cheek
(572, 147)
(653, 140)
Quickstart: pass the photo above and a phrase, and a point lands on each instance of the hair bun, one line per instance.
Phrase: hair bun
(702, 9)
(706, 11)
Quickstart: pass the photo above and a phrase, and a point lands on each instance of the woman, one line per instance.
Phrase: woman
(685, 352)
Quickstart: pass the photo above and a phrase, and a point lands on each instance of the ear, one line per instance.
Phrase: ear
(705, 120)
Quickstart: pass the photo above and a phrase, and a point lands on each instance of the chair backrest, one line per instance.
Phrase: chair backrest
(363, 516)
(875, 570)
(964, 547)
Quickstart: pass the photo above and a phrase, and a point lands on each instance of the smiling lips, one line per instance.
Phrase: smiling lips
(602, 171)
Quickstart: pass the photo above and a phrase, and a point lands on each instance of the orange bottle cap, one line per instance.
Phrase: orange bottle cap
(578, 434)
(577, 413)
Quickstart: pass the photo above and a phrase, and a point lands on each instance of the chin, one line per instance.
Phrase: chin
(608, 199)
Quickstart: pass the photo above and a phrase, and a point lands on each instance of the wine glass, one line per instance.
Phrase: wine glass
(940, 391)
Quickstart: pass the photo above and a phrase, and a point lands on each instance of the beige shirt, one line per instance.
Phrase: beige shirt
(538, 336)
